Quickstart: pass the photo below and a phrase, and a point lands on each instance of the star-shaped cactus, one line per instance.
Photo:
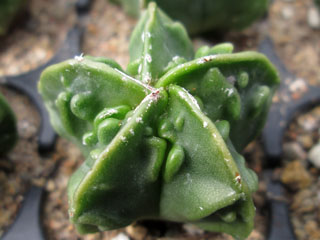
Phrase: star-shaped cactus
(162, 138)
(8, 128)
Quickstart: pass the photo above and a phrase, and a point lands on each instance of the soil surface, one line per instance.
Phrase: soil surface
(37, 37)
(108, 29)
(301, 174)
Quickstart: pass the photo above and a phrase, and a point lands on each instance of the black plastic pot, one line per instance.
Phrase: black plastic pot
(28, 223)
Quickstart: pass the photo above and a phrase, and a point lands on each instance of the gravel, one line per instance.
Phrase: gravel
(297, 43)
(301, 177)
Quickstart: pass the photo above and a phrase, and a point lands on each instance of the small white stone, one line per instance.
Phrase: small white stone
(121, 236)
(287, 13)
(192, 229)
(314, 18)
(299, 85)
(314, 155)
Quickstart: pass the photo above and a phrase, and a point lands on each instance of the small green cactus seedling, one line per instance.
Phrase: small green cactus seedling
(8, 130)
(205, 15)
(8, 11)
(162, 138)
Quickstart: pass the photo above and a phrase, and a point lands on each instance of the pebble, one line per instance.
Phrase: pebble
(287, 13)
(121, 236)
(298, 86)
(314, 18)
(296, 176)
(50, 185)
(40, 182)
(192, 229)
(137, 232)
(314, 155)
(311, 227)
(305, 140)
(255, 235)
(307, 206)
(308, 122)
(294, 151)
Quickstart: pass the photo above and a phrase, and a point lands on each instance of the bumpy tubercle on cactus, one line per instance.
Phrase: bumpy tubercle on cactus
(162, 138)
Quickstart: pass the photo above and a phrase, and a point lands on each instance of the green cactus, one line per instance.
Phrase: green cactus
(317, 2)
(205, 15)
(8, 11)
(162, 138)
(8, 129)
(131, 7)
